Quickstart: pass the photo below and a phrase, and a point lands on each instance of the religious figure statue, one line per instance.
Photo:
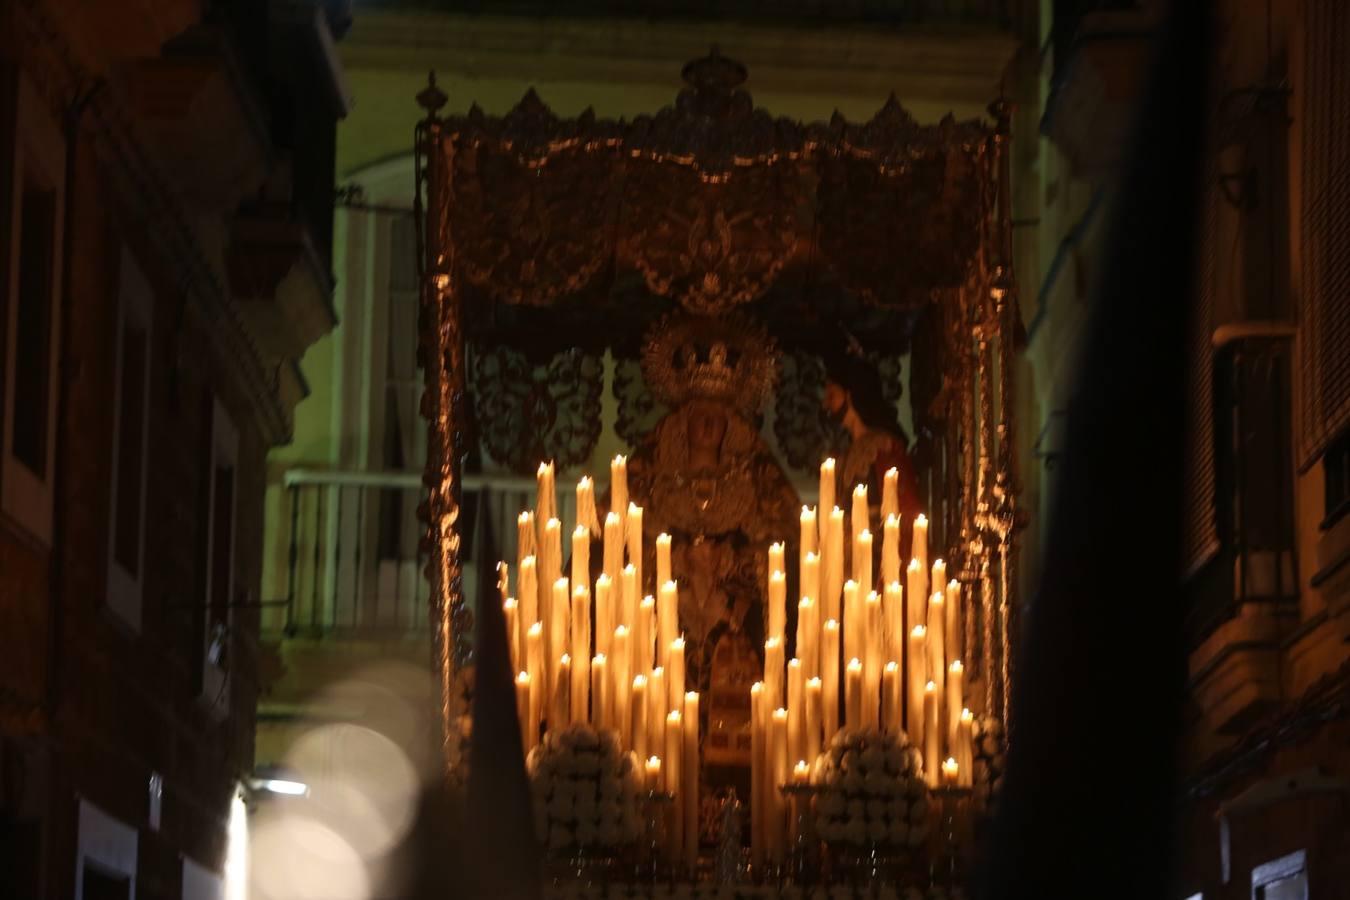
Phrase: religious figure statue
(705, 476)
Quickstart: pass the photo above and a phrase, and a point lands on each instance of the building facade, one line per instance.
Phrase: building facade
(165, 189)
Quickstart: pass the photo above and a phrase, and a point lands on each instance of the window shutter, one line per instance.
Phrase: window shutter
(1324, 301)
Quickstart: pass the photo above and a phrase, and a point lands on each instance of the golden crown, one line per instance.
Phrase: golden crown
(731, 359)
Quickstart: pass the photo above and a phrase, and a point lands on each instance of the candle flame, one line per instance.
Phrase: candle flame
(603, 579)
(634, 509)
(780, 713)
(794, 662)
(677, 644)
(565, 659)
(528, 562)
(836, 511)
(585, 483)
(855, 663)
(873, 597)
(545, 468)
(523, 678)
(653, 763)
(669, 585)
(954, 584)
(618, 460)
(804, 603)
(611, 518)
(647, 601)
(659, 672)
(812, 556)
(663, 538)
(673, 716)
(509, 603)
(536, 628)
(772, 642)
(581, 591)
(864, 535)
(930, 688)
(828, 463)
(936, 599)
(920, 521)
(598, 659)
(757, 687)
(860, 490)
(552, 524)
(956, 666)
(813, 683)
(561, 583)
(892, 666)
(621, 631)
(581, 531)
(639, 681)
(919, 632)
(938, 563)
(831, 625)
(777, 575)
(776, 547)
(691, 695)
(892, 520)
(630, 569)
(967, 716)
(892, 472)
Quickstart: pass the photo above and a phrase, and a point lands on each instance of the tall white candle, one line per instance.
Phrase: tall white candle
(808, 634)
(581, 556)
(675, 673)
(632, 530)
(560, 711)
(829, 679)
(931, 739)
(862, 562)
(952, 607)
(813, 719)
(938, 579)
(809, 576)
(587, 515)
(778, 745)
(558, 631)
(777, 603)
(758, 773)
(890, 550)
(689, 769)
(523, 711)
(513, 639)
(893, 621)
(618, 491)
(674, 763)
(955, 691)
(621, 678)
(853, 691)
(550, 557)
(525, 538)
(653, 767)
(872, 662)
(644, 630)
(825, 502)
(628, 595)
(937, 651)
(916, 595)
(534, 665)
(663, 570)
(546, 502)
(605, 618)
(965, 755)
(920, 549)
(891, 701)
(796, 707)
(858, 516)
(853, 621)
(527, 592)
(581, 652)
(640, 717)
(600, 708)
(777, 557)
(667, 619)
(657, 707)
(890, 493)
(832, 566)
(612, 561)
(916, 678)
(773, 671)
(810, 532)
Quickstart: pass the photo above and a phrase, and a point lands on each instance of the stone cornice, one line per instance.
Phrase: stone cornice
(145, 191)
(952, 64)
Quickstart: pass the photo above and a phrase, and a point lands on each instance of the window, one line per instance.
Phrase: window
(1283, 879)
(105, 862)
(31, 203)
(218, 536)
(131, 380)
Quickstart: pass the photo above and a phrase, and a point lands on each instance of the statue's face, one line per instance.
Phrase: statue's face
(707, 427)
(835, 401)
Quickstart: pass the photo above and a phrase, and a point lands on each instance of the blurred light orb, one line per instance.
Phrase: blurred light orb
(295, 857)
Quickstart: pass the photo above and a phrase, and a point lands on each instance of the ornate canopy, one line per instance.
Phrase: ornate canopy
(554, 239)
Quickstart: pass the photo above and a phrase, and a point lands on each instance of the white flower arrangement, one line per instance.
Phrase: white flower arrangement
(870, 791)
(585, 789)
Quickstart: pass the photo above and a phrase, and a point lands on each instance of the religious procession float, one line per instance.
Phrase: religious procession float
(769, 649)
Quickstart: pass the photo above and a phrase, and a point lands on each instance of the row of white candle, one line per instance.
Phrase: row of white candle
(895, 678)
(634, 684)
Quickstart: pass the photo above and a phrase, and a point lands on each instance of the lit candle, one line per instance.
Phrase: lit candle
(931, 737)
(965, 750)
(587, 517)
(917, 677)
(890, 493)
(503, 579)
(628, 595)
(525, 545)
(663, 570)
(600, 717)
(778, 746)
(558, 633)
(605, 620)
(777, 603)
(796, 707)
(675, 673)
(632, 529)
(674, 763)
(938, 578)
(581, 652)
(546, 502)
(853, 621)
(893, 621)
(950, 772)
(829, 679)
(581, 556)
(892, 703)
(827, 483)
(808, 630)
(667, 619)
(689, 775)
(953, 610)
(832, 566)
(813, 717)
(937, 651)
(612, 561)
(916, 595)
(620, 678)
(853, 688)
(643, 630)
(534, 664)
(656, 708)
(523, 711)
(890, 550)
(955, 690)
(639, 716)
(858, 516)
(862, 562)
(654, 773)
(560, 711)
(618, 492)
(773, 671)
(550, 558)
(810, 532)
(872, 662)
(758, 764)
(809, 575)
(921, 539)
(513, 641)
(527, 592)
(777, 557)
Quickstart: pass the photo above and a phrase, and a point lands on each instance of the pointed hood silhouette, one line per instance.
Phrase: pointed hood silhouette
(1089, 793)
